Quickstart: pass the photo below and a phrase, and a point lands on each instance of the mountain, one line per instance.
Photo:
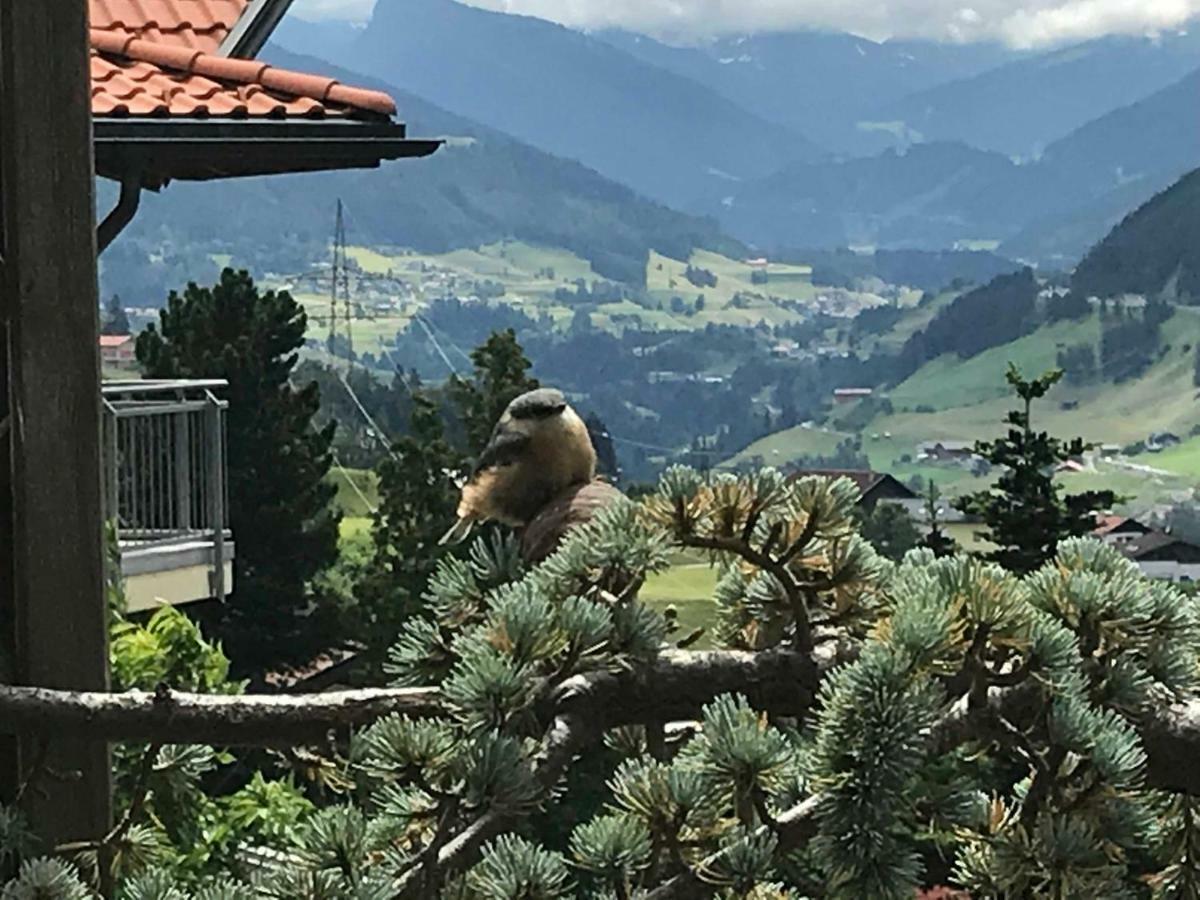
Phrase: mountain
(1023, 106)
(825, 85)
(570, 94)
(922, 197)
(940, 193)
(1156, 249)
(1087, 182)
(482, 187)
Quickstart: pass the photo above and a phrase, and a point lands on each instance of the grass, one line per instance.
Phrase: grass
(786, 447)
(347, 500)
(949, 382)
(688, 587)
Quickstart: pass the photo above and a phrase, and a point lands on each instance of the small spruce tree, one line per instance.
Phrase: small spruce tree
(1025, 514)
(936, 540)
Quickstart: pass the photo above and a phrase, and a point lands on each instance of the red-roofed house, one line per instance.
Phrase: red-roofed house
(1120, 530)
(873, 487)
(177, 95)
(117, 349)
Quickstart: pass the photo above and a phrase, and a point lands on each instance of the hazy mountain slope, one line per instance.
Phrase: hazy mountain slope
(1022, 107)
(484, 186)
(925, 197)
(1155, 249)
(939, 193)
(570, 94)
(825, 85)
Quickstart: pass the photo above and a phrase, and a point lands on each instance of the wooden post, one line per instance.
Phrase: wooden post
(52, 610)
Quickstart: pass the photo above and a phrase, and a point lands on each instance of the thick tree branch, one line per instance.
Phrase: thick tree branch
(674, 686)
(218, 720)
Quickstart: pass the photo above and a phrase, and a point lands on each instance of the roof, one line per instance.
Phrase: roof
(115, 340)
(136, 77)
(865, 480)
(1155, 541)
(1112, 524)
(195, 24)
(176, 94)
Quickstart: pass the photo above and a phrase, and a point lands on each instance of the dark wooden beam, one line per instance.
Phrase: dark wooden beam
(53, 610)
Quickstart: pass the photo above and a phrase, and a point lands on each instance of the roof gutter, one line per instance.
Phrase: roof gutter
(253, 29)
(201, 149)
(121, 214)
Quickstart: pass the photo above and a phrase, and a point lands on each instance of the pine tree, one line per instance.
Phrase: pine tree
(971, 727)
(418, 494)
(501, 375)
(1025, 515)
(936, 540)
(114, 320)
(279, 502)
(606, 451)
(890, 530)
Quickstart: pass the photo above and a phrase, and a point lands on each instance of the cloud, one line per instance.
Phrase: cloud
(1021, 23)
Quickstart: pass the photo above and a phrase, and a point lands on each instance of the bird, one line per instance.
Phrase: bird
(538, 449)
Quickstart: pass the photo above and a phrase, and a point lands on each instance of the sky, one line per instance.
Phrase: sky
(1020, 23)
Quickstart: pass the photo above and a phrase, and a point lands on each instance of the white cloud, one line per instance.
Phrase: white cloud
(1022, 23)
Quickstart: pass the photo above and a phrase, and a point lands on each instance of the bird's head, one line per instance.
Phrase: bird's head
(539, 405)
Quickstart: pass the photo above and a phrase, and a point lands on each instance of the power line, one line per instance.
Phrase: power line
(438, 347)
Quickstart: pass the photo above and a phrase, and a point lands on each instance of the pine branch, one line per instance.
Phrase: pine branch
(792, 829)
(567, 737)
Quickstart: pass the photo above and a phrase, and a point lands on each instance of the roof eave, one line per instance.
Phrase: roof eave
(162, 150)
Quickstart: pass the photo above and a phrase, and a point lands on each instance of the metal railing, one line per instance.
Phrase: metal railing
(165, 465)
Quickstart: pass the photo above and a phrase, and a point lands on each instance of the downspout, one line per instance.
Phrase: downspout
(121, 214)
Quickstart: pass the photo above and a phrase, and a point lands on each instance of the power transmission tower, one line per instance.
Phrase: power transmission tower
(339, 280)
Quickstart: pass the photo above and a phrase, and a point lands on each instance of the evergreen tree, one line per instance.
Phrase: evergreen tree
(606, 452)
(417, 498)
(976, 728)
(279, 501)
(114, 320)
(936, 540)
(1025, 515)
(890, 530)
(501, 375)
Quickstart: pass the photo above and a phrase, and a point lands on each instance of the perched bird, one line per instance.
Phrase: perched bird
(539, 448)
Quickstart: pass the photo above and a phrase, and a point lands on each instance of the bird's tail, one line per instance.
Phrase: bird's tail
(460, 532)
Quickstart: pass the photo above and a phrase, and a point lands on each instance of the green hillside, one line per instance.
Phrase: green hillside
(953, 399)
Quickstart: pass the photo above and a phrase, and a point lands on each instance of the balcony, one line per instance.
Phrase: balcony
(165, 485)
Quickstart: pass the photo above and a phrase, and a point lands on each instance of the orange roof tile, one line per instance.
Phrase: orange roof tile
(141, 78)
(196, 24)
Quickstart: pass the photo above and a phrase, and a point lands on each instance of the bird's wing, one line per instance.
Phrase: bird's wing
(503, 449)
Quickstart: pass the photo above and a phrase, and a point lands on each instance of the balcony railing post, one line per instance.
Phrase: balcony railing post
(183, 473)
(216, 492)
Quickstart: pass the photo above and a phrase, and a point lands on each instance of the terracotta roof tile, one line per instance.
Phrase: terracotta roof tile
(136, 77)
(196, 24)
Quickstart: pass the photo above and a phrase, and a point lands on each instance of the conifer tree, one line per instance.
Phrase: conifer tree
(114, 320)
(418, 494)
(1025, 514)
(501, 375)
(971, 727)
(936, 540)
(279, 501)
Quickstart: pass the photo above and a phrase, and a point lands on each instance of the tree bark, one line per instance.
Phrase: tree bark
(675, 686)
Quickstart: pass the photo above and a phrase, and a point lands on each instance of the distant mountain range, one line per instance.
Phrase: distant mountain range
(1024, 106)
(829, 86)
(665, 135)
(935, 194)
